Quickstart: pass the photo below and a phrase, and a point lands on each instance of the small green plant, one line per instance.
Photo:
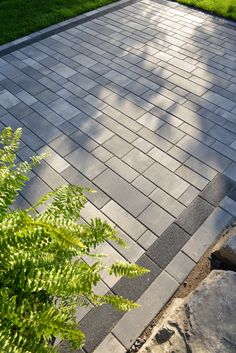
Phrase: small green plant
(43, 278)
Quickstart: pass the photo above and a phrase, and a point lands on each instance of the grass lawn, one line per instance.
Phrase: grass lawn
(21, 17)
(225, 8)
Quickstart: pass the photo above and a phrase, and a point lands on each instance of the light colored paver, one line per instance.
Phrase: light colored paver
(110, 344)
(129, 224)
(207, 234)
(229, 205)
(180, 267)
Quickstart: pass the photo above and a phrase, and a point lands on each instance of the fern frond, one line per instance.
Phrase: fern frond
(43, 273)
(120, 303)
(126, 269)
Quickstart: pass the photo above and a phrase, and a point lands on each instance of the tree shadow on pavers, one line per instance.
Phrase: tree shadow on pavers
(153, 72)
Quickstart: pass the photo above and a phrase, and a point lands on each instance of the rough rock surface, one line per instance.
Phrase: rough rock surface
(203, 322)
(225, 249)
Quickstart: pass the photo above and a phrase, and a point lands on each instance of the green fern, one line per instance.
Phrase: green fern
(40, 285)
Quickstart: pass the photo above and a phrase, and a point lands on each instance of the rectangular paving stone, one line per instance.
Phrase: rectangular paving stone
(144, 104)
(167, 245)
(154, 139)
(170, 133)
(224, 150)
(102, 154)
(117, 78)
(20, 203)
(167, 117)
(122, 118)
(164, 159)
(197, 134)
(210, 77)
(117, 128)
(207, 234)
(222, 134)
(152, 122)
(219, 100)
(231, 172)
(189, 195)
(147, 239)
(124, 220)
(46, 96)
(201, 168)
(41, 127)
(138, 160)
(63, 145)
(204, 153)
(63, 108)
(217, 189)
(191, 117)
(93, 129)
(178, 154)
(122, 192)
(84, 60)
(133, 250)
(192, 177)
(122, 169)
(82, 81)
(167, 202)
(49, 175)
(20, 110)
(94, 101)
(229, 205)
(194, 215)
(180, 267)
(50, 115)
(187, 85)
(156, 219)
(110, 344)
(34, 190)
(85, 163)
(67, 128)
(166, 180)
(117, 146)
(9, 85)
(158, 99)
(124, 106)
(83, 140)
(63, 70)
(142, 144)
(8, 100)
(182, 65)
(54, 159)
(28, 84)
(76, 90)
(144, 185)
(133, 322)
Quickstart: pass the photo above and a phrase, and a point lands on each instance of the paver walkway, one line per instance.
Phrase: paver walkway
(138, 103)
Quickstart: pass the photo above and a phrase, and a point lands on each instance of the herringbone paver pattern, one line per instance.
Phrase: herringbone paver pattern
(138, 104)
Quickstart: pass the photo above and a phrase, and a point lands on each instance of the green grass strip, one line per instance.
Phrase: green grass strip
(21, 17)
(224, 8)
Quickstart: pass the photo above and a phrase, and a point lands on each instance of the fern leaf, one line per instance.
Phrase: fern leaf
(120, 303)
(127, 270)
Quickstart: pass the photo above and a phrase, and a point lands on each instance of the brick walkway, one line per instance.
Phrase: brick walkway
(138, 103)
